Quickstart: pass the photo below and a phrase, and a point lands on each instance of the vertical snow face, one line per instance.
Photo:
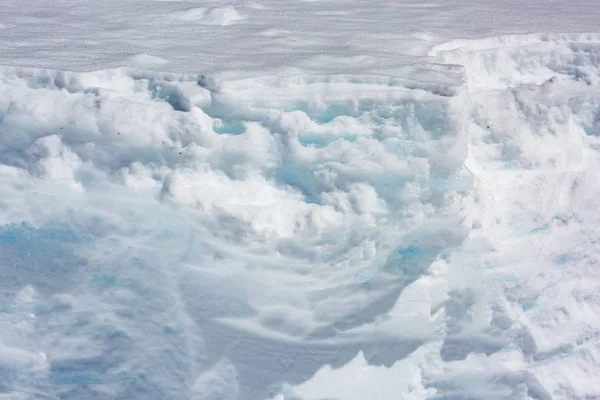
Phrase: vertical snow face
(534, 154)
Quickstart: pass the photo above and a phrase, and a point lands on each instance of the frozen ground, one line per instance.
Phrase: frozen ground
(311, 200)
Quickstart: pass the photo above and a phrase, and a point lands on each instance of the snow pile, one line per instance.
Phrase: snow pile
(222, 16)
(431, 234)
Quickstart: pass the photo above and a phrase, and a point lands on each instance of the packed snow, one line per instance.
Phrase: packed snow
(264, 200)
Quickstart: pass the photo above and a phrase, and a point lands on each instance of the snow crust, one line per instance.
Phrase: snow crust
(422, 228)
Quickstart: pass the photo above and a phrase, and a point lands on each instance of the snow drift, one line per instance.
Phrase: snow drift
(431, 234)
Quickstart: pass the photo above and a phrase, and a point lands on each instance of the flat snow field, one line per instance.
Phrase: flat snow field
(299, 200)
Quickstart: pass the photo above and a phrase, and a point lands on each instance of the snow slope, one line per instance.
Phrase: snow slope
(292, 210)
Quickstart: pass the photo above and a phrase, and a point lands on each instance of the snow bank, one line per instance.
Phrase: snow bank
(432, 233)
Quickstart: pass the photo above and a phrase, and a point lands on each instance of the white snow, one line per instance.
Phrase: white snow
(222, 16)
(299, 200)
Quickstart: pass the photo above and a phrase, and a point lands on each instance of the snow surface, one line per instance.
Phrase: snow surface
(311, 200)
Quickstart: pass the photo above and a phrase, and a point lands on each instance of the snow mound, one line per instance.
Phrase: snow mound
(222, 16)
(219, 383)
